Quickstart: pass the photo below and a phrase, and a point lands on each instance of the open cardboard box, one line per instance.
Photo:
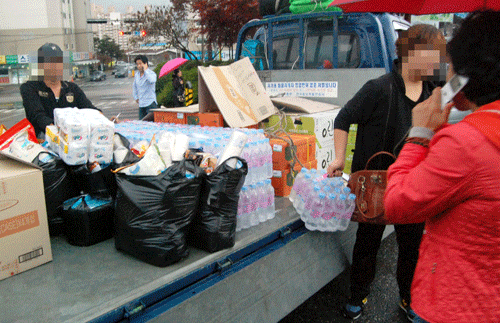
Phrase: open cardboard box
(236, 91)
(24, 230)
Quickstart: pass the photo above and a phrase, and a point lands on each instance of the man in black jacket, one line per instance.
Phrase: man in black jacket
(48, 91)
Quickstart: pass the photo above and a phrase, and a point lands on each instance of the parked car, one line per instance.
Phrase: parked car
(121, 72)
(97, 76)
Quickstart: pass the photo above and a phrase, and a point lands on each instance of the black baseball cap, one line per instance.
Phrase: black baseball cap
(50, 52)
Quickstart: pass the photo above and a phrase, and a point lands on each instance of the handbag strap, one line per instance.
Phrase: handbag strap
(378, 154)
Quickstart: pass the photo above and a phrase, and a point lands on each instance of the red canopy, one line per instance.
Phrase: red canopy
(416, 7)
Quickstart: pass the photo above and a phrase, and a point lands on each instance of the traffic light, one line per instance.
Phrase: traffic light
(121, 33)
(143, 33)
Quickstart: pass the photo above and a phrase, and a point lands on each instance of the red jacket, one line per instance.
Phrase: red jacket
(454, 185)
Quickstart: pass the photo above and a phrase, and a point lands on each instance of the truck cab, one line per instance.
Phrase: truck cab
(306, 41)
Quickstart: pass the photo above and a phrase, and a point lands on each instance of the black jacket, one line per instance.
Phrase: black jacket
(369, 108)
(39, 102)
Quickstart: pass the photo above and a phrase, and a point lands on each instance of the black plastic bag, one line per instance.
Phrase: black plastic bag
(58, 187)
(214, 228)
(88, 220)
(101, 183)
(153, 213)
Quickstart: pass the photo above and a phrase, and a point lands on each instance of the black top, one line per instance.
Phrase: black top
(39, 102)
(369, 109)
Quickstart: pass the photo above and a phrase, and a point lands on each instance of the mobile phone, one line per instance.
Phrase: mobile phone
(451, 88)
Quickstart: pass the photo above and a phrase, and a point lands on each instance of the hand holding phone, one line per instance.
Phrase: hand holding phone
(451, 88)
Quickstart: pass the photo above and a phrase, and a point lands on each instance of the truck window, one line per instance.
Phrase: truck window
(320, 48)
(285, 53)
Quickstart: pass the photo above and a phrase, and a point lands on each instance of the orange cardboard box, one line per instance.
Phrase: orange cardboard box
(170, 117)
(211, 119)
(282, 180)
(282, 151)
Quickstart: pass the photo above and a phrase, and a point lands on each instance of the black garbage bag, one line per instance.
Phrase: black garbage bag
(58, 187)
(88, 220)
(153, 213)
(101, 183)
(214, 228)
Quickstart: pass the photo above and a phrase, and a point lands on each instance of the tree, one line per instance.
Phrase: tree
(168, 24)
(221, 20)
(107, 49)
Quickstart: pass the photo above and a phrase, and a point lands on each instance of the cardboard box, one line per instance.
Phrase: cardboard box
(282, 151)
(24, 231)
(187, 115)
(282, 180)
(211, 119)
(303, 105)
(236, 91)
(318, 124)
(326, 154)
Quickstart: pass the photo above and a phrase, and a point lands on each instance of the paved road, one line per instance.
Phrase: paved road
(112, 96)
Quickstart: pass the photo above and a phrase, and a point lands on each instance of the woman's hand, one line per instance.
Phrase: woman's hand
(336, 167)
(428, 114)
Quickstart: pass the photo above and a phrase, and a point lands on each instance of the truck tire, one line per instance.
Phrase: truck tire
(271, 7)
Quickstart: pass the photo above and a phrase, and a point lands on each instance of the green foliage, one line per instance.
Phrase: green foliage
(164, 87)
(108, 47)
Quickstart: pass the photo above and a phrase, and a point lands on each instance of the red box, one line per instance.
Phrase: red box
(211, 119)
(282, 180)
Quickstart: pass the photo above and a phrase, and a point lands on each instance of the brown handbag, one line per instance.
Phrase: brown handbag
(369, 187)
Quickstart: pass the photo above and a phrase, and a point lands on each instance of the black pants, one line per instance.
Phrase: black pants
(368, 239)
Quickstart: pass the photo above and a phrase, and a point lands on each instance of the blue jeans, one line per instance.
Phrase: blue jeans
(418, 319)
(143, 111)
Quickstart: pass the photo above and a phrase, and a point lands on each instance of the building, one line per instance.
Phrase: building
(114, 27)
(25, 25)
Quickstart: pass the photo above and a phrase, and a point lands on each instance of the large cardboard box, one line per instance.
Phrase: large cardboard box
(236, 91)
(319, 124)
(24, 231)
(326, 154)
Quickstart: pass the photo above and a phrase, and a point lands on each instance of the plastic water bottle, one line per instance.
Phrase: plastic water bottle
(245, 203)
(241, 208)
(346, 216)
(340, 206)
(318, 205)
(305, 191)
(270, 200)
(262, 202)
(269, 158)
(254, 203)
(297, 184)
(309, 203)
(330, 223)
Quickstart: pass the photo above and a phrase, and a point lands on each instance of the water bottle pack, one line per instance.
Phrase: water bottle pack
(256, 204)
(214, 140)
(323, 203)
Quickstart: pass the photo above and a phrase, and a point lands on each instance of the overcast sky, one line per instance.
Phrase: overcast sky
(121, 5)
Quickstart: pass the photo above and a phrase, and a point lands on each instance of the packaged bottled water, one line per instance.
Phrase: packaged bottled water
(297, 184)
(270, 200)
(262, 202)
(244, 201)
(346, 216)
(254, 202)
(317, 206)
(305, 192)
(328, 214)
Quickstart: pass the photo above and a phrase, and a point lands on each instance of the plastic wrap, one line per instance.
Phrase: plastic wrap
(153, 213)
(214, 228)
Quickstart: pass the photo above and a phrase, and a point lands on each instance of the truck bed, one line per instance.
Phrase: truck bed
(272, 269)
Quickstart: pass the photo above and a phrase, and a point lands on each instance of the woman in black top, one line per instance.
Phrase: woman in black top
(178, 92)
(389, 101)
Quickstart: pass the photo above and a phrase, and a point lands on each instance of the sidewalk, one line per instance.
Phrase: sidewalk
(382, 306)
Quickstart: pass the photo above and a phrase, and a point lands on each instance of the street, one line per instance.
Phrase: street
(112, 96)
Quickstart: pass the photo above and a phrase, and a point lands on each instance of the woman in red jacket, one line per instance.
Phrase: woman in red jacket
(451, 180)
